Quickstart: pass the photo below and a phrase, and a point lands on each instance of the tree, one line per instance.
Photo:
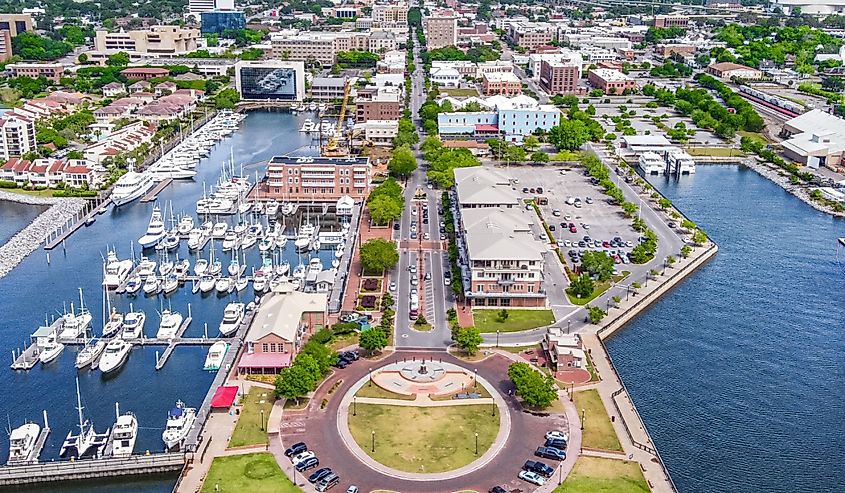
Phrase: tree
(569, 135)
(597, 264)
(293, 382)
(420, 320)
(582, 286)
(699, 237)
(468, 339)
(688, 225)
(531, 143)
(595, 313)
(321, 353)
(403, 163)
(378, 255)
(373, 340)
(664, 203)
(119, 59)
(309, 364)
(539, 157)
(535, 389)
(685, 251)
(670, 260)
(503, 315)
(384, 209)
(629, 208)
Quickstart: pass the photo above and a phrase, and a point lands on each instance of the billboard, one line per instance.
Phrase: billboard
(268, 83)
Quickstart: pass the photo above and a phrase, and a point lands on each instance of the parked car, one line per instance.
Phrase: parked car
(447, 281)
(588, 200)
(393, 286)
(340, 363)
(351, 355)
(307, 464)
(539, 189)
(396, 226)
(497, 489)
(538, 467)
(558, 435)
(552, 227)
(556, 212)
(319, 474)
(328, 482)
(555, 443)
(296, 449)
(550, 453)
(302, 456)
(428, 276)
(353, 488)
(532, 477)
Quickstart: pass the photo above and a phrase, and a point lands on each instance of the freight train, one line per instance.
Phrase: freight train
(781, 105)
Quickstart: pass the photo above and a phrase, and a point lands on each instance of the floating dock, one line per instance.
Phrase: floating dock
(153, 194)
(57, 237)
(50, 472)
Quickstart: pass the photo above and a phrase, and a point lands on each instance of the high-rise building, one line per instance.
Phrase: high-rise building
(441, 30)
(200, 6)
(218, 21)
(17, 136)
(10, 26)
(559, 76)
(390, 15)
(270, 80)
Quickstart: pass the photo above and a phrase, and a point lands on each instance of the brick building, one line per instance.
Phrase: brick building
(610, 81)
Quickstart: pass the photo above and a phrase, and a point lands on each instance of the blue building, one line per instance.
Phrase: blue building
(217, 21)
(511, 118)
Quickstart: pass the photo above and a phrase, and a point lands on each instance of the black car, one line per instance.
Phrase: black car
(319, 474)
(551, 227)
(538, 467)
(497, 489)
(442, 230)
(425, 220)
(341, 363)
(396, 226)
(582, 244)
(539, 189)
(296, 449)
(307, 464)
(556, 443)
(550, 453)
(351, 355)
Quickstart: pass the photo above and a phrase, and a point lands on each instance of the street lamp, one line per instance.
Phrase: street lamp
(354, 406)
(497, 338)
(374, 441)
(568, 325)
(560, 475)
(370, 373)
(475, 378)
(583, 417)
(262, 420)
(476, 444)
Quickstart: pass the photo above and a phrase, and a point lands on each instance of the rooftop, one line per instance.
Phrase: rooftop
(281, 314)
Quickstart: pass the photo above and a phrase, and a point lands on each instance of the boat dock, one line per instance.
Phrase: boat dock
(153, 194)
(28, 358)
(58, 236)
(172, 345)
(50, 472)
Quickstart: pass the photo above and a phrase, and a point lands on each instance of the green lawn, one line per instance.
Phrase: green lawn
(424, 439)
(460, 92)
(599, 475)
(488, 320)
(715, 151)
(566, 156)
(248, 472)
(598, 289)
(33, 193)
(342, 341)
(380, 393)
(753, 135)
(249, 430)
(598, 430)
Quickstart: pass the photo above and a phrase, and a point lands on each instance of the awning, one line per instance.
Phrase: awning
(224, 396)
(265, 360)
(486, 128)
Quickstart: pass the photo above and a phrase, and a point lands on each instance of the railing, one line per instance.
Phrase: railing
(87, 468)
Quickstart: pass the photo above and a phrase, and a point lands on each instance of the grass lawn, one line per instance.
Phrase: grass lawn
(488, 320)
(480, 390)
(566, 156)
(423, 439)
(248, 472)
(594, 377)
(342, 341)
(753, 135)
(598, 430)
(460, 92)
(248, 430)
(598, 289)
(599, 475)
(32, 193)
(421, 327)
(715, 151)
(380, 393)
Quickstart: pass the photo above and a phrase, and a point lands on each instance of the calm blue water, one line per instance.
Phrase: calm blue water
(739, 372)
(14, 217)
(34, 289)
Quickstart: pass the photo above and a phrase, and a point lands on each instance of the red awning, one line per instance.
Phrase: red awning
(224, 396)
(486, 128)
(265, 360)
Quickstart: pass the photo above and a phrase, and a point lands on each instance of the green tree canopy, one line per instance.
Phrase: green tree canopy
(468, 339)
(535, 389)
(597, 264)
(378, 255)
(403, 163)
(374, 339)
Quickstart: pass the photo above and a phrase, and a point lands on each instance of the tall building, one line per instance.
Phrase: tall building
(10, 26)
(532, 34)
(200, 6)
(218, 21)
(160, 41)
(378, 103)
(270, 80)
(441, 30)
(560, 76)
(17, 136)
(324, 46)
(316, 179)
(390, 15)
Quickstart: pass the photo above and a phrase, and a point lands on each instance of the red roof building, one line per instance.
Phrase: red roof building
(145, 73)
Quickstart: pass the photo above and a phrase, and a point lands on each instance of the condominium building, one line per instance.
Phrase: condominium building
(324, 46)
(161, 41)
(503, 83)
(532, 34)
(10, 26)
(315, 179)
(560, 76)
(441, 30)
(328, 88)
(390, 15)
(502, 261)
(378, 103)
(50, 71)
(17, 136)
(610, 81)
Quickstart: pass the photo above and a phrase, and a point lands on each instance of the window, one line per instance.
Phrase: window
(265, 348)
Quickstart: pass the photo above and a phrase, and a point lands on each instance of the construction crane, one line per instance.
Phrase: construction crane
(332, 147)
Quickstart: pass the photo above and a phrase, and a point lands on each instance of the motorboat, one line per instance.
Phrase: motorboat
(186, 224)
(207, 228)
(115, 355)
(240, 228)
(133, 285)
(116, 270)
(276, 282)
(244, 207)
(180, 420)
(76, 324)
(171, 283)
(88, 442)
(241, 283)
(169, 326)
(223, 285)
(249, 240)
(299, 272)
(233, 315)
(182, 268)
(338, 251)
(302, 241)
(215, 268)
(169, 242)
(216, 353)
(200, 266)
(133, 325)
(315, 266)
(281, 241)
(130, 186)
(266, 244)
(230, 241)
(259, 282)
(114, 325)
(166, 267)
(234, 268)
(22, 445)
(146, 267)
(272, 208)
(335, 263)
(196, 239)
(155, 230)
(163, 171)
(206, 283)
(121, 442)
(50, 350)
(152, 285)
(219, 230)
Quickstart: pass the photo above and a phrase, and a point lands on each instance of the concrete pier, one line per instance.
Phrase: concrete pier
(50, 472)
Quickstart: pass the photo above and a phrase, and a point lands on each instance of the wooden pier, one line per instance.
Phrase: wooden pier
(58, 237)
(50, 472)
(172, 345)
(153, 194)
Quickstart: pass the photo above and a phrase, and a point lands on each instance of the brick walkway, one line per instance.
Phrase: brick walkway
(350, 297)
(465, 318)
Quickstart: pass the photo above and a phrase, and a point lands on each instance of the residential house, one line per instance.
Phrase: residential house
(113, 89)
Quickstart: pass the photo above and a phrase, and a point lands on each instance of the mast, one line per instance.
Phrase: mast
(79, 410)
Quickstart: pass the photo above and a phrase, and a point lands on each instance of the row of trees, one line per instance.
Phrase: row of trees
(31, 46)
(442, 162)
(386, 202)
(475, 54)
(357, 59)
(753, 43)
(308, 368)
(378, 255)
(575, 130)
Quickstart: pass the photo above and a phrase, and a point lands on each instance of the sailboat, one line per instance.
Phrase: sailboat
(91, 349)
(88, 442)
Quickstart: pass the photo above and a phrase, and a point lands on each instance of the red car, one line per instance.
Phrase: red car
(572, 229)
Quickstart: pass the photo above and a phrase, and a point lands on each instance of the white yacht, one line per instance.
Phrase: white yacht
(180, 419)
(76, 323)
(186, 224)
(234, 268)
(259, 282)
(268, 243)
(233, 315)
(89, 353)
(249, 240)
(114, 324)
(244, 207)
(121, 442)
(133, 325)
(166, 266)
(230, 240)
(116, 270)
(241, 283)
(338, 251)
(130, 186)
(272, 209)
(206, 283)
(196, 238)
(155, 230)
(50, 350)
(219, 230)
(170, 323)
(182, 268)
(146, 267)
(133, 285)
(88, 442)
(680, 162)
(115, 354)
(215, 268)
(171, 283)
(652, 163)
(216, 353)
(315, 266)
(152, 285)
(282, 268)
(223, 285)
(200, 266)
(22, 445)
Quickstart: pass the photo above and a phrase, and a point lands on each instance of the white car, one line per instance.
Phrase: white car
(412, 269)
(532, 477)
(557, 435)
(567, 243)
(303, 456)
(393, 286)
(352, 489)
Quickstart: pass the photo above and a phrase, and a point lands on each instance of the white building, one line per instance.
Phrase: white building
(380, 132)
(810, 6)
(17, 136)
(445, 76)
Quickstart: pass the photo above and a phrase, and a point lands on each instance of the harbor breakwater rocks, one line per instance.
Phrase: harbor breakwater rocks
(28, 239)
(777, 176)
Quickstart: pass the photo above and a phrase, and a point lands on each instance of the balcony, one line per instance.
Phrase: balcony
(505, 282)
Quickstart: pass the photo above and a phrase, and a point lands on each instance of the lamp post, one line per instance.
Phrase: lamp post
(568, 325)
(374, 441)
(475, 378)
(476, 444)
(354, 406)
(571, 390)
(583, 417)
(560, 473)
(497, 338)
(370, 373)
(262, 420)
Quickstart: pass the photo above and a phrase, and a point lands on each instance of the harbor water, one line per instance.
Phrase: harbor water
(36, 289)
(739, 372)
(14, 217)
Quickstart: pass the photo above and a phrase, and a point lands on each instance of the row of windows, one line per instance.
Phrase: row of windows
(272, 347)
(493, 288)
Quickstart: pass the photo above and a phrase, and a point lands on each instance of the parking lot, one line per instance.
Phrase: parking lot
(572, 199)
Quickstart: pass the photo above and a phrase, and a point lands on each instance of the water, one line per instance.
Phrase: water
(34, 289)
(14, 217)
(739, 372)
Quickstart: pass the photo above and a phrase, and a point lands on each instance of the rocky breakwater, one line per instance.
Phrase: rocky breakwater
(780, 178)
(28, 239)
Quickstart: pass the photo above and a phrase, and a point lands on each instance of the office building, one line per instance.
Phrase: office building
(671, 21)
(441, 30)
(666, 50)
(158, 41)
(501, 83)
(323, 47)
(559, 76)
(218, 21)
(390, 15)
(51, 71)
(610, 81)
(532, 34)
(16, 23)
(270, 79)
(17, 136)
(379, 132)
(328, 88)
(378, 103)
(315, 179)
(501, 117)
(200, 6)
